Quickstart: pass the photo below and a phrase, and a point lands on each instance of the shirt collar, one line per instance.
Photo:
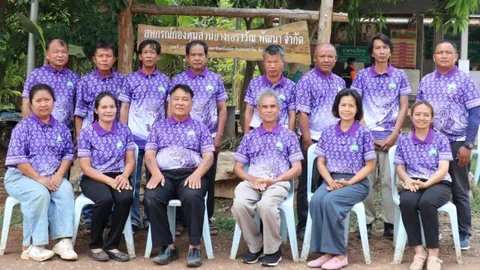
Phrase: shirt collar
(140, 71)
(100, 75)
(173, 121)
(52, 69)
(374, 73)
(449, 74)
(266, 82)
(275, 130)
(101, 132)
(192, 75)
(321, 74)
(351, 131)
(428, 139)
(51, 122)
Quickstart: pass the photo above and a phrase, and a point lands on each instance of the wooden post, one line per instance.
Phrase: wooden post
(125, 40)
(420, 43)
(325, 21)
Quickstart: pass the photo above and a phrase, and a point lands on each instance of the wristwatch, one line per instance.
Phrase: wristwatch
(469, 145)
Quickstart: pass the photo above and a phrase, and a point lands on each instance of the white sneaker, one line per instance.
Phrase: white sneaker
(64, 249)
(37, 253)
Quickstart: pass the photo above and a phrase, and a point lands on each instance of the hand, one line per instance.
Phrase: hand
(155, 180)
(463, 156)
(217, 141)
(420, 184)
(57, 180)
(122, 182)
(194, 181)
(378, 144)
(411, 185)
(258, 184)
(343, 182)
(267, 182)
(47, 182)
(389, 142)
(307, 144)
(333, 185)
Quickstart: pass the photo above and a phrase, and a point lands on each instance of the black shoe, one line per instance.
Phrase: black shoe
(194, 257)
(272, 259)
(99, 256)
(251, 258)
(117, 256)
(166, 256)
(369, 231)
(388, 230)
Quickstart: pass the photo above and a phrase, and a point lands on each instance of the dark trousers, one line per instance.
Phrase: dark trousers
(461, 191)
(105, 198)
(302, 202)
(425, 201)
(193, 206)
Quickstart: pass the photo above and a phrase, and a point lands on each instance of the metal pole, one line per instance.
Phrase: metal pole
(31, 37)
(464, 63)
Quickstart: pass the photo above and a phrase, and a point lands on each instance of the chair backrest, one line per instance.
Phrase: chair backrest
(393, 174)
(310, 165)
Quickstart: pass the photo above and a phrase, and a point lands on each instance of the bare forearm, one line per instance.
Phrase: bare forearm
(151, 163)
(129, 168)
(291, 173)
(25, 107)
(402, 173)
(124, 113)
(240, 172)
(205, 164)
(291, 120)
(64, 167)
(222, 119)
(27, 169)
(324, 172)
(363, 173)
(402, 114)
(304, 124)
(248, 118)
(78, 125)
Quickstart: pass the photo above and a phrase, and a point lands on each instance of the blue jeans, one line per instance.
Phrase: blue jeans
(135, 210)
(42, 210)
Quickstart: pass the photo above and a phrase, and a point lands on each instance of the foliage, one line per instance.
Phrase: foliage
(231, 144)
(453, 14)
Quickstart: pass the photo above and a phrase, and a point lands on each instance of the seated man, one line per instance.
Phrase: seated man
(178, 153)
(273, 155)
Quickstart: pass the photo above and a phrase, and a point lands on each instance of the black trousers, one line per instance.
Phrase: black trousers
(193, 206)
(105, 198)
(302, 202)
(427, 201)
(461, 191)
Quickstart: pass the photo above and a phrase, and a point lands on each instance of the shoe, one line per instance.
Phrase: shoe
(251, 258)
(335, 263)
(166, 256)
(464, 242)
(272, 259)
(318, 262)
(37, 253)
(388, 230)
(99, 256)
(194, 257)
(117, 256)
(434, 263)
(418, 262)
(64, 249)
(369, 231)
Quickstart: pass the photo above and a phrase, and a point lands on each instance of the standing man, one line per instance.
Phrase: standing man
(316, 93)
(384, 90)
(61, 79)
(273, 60)
(143, 97)
(349, 72)
(455, 98)
(209, 107)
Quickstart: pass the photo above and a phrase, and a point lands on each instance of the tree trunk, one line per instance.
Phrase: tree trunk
(247, 77)
(325, 21)
(125, 40)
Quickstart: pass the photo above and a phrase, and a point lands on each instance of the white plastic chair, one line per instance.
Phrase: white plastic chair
(399, 229)
(477, 167)
(171, 211)
(287, 225)
(358, 208)
(7, 217)
(82, 201)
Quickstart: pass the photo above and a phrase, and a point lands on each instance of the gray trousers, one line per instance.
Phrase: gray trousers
(382, 173)
(329, 210)
(247, 200)
(461, 191)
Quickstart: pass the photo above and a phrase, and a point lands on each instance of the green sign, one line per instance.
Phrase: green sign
(360, 53)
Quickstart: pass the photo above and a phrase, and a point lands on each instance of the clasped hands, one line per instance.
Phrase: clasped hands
(414, 185)
(262, 183)
(337, 184)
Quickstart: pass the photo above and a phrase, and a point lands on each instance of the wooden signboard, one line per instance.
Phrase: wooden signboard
(240, 44)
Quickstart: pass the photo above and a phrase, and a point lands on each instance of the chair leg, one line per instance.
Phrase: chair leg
(76, 220)
(292, 233)
(362, 226)
(400, 244)
(148, 248)
(396, 222)
(346, 225)
(128, 232)
(456, 236)
(235, 242)
(207, 239)
(307, 239)
(7, 217)
(283, 227)
(172, 215)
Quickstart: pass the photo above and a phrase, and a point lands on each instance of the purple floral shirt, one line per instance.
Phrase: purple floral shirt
(315, 96)
(90, 86)
(451, 95)
(269, 153)
(179, 144)
(421, 158)
(43, 145)
(208, 90)
(381, 98)
(106, 149)
(346, 152)
(146, 95)
(64, 84)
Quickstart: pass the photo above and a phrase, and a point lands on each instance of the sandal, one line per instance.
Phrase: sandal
(179, 230)
(213, 230)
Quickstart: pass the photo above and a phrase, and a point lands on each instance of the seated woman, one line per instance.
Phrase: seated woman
(422, 160)
(39, 155)
(346, 156)
(106, 153)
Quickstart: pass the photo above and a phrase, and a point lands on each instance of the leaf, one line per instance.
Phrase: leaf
(186, 21)
(33, 28)
(76, 51)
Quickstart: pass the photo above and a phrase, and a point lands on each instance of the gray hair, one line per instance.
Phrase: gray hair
(325, 44)
(268, 92)
(273, 50)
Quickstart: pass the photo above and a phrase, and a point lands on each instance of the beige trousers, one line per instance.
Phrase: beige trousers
(267, 203)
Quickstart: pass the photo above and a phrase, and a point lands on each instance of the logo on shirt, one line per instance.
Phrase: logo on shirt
(118, 91)
(354, 148)
(119, 145)
(161, 89)
(452, 87)
(282, 97)
(432, 152)
(392, 86)
(191, 133)
(70, 84)
(209, 88)
(279, 146)
(339, 89)
(59, 139)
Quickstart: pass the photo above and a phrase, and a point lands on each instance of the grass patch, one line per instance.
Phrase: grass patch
(225, 225)
(16, 221)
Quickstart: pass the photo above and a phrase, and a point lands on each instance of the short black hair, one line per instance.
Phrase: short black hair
(62, 42)
(382, 37)
(443, 42)
(350, 60)
(40, 87)
(152, 43)
(194, 43)
(104, 45)
(99, 98)
(183, 87)
(358, 102)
